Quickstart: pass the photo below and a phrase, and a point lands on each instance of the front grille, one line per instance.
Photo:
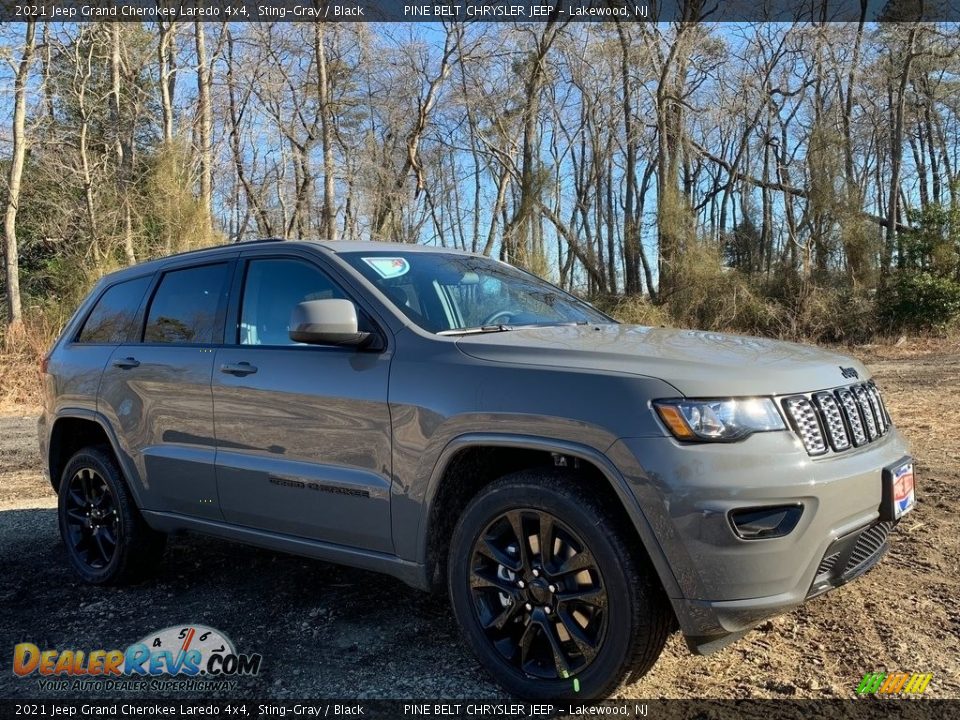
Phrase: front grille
(826, 565)
(833, 420)
(851, 556)
(839, 419)
(863, 400)
(804, 417)
(868, 545)
(852, 415)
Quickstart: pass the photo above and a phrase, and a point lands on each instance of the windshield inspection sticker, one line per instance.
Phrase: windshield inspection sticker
(388, 267)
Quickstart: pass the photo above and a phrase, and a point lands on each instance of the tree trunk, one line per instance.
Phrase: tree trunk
(896, 152)
(236, 110)
(631, 240)
(167, 77)
(122, 156)
(514, 248)
(205, 124)
(328, 226)
(11, 264)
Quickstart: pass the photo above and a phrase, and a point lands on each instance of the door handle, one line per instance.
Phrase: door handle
(239, 369)
(126, 363)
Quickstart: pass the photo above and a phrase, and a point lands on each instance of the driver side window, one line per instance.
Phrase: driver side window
(271, 289)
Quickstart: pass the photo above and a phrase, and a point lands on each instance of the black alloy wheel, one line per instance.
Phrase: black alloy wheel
(538, 594)
(93, 525)
(108, 541)
(551, 588)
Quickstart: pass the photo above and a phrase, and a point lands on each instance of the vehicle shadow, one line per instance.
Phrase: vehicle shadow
(323, 630)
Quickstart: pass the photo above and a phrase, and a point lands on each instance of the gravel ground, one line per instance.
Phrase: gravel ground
(326, 631)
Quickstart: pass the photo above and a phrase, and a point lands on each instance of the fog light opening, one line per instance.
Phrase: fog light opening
(765, 522)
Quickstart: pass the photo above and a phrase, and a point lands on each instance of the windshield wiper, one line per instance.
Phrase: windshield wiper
(477, 330)
(559, 323)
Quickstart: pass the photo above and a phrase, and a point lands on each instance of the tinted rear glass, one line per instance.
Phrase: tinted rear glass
(109, 321)
(184, 308)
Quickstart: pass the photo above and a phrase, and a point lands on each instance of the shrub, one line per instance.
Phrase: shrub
(919, 301)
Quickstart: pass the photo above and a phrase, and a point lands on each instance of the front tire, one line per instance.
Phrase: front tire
(108, 542)
(551, 592)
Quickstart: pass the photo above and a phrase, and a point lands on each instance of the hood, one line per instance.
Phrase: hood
(698, 364)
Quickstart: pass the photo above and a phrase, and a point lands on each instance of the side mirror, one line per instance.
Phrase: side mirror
(326, 322)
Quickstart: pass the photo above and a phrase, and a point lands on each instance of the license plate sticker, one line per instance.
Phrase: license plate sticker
(904, 497)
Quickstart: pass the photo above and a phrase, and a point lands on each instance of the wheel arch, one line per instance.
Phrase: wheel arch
(76, 428)
(440, 514)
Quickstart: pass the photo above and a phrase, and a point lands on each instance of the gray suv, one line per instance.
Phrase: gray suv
(581, 488)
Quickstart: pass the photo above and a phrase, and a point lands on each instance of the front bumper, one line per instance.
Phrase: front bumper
(727, 585)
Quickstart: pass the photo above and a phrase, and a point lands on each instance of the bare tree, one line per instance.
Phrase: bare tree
(11, 263)
(328, 223)
(124, 159)
(166, 63)
(205, 120)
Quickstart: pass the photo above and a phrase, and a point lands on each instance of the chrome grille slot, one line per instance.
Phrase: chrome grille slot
(877, 408)
(804, 418)
(852, 412)
(840, 419)
(871, 423)
(833, 420)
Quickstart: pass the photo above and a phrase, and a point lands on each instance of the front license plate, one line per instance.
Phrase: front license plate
(899, 494)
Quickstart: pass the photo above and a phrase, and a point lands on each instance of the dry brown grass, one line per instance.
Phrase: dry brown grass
(20, 353)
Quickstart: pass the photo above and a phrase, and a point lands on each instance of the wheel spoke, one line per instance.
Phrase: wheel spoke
(486, 547)
(585, 645)
(583, 560)
(559, 656)
(76, 498)
(545, 539)
(101, 548)
(526, 642)
(515, 519)
(85, 485)
(108, 537)
(479, 579)
(76, 516)
(591, 596)
(102, 498)
(499, 621)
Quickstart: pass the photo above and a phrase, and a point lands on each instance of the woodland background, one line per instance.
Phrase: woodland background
(792, 180)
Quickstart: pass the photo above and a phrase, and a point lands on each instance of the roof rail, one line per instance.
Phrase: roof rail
(260, 240)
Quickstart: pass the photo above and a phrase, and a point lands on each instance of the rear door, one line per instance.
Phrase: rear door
(303, 431)
(156, 391)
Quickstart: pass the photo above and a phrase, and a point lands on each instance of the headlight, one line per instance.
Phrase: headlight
(719, 420)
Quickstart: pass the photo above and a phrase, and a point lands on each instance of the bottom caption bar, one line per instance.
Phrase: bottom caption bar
(476, 710)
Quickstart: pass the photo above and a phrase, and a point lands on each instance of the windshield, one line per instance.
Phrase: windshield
(448, 293)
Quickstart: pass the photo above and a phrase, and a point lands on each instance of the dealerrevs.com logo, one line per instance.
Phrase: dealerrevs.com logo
(182, 657)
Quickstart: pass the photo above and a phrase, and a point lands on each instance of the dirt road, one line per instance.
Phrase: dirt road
(326, 631)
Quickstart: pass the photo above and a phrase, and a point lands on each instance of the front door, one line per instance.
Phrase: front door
(303, 432)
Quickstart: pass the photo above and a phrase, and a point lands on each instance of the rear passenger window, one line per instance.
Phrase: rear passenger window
(184, 308)
(109, 321)
(270, 292)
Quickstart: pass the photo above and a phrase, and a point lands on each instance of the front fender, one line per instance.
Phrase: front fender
(589, 454)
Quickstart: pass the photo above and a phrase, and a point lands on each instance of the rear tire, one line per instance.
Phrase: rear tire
(108, 542)
(577, 621)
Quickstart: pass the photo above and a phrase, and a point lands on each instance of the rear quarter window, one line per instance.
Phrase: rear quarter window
(109, 321)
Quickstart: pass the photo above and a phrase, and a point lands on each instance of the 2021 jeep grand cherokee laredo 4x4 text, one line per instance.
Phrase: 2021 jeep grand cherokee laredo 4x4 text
(580, 486)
